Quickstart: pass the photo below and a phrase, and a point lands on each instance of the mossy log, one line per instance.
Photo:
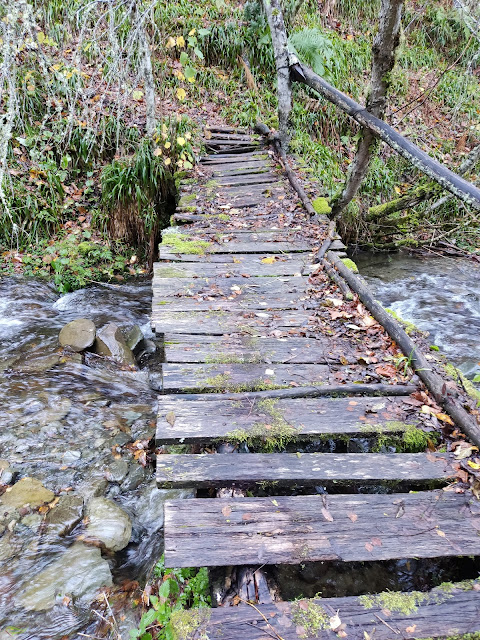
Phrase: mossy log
(399, 204)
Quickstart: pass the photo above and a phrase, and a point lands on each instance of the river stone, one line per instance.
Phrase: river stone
(26, 491)
(78, 334)
(134, 337)
(65, 515)
(80, 572)
(111, 343)
(36, 365)
(116, 470)
(6, 473)
(108, 523)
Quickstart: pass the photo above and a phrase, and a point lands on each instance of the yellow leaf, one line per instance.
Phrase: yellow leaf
(191, 79)
(170, 43)
(181, 93)
(270, 260)
(137, 95)
(440, 533)
(157, 152)
(180, 41)
(57, 67)
(444, 418)
(397, 190)
(181, 141)
(473, 465)
(167, 145)
(192, 32)
(41, 37)
(167, 161)
(349, 37)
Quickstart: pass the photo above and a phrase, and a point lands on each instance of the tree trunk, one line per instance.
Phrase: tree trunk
(273, 10)
(384, 47)
(148, 80)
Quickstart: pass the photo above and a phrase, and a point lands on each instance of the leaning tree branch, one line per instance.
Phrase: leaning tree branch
(448, 180)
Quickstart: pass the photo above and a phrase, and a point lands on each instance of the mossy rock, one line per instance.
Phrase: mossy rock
(350, 264)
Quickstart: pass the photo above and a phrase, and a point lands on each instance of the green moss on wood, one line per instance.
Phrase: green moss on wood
(168, 272)
(186, 199)
(350, 264)
(408, 326)
(310, 618)
(190, 623)
(396, 601)
(321, 206)
(458, 376)
(180, 243)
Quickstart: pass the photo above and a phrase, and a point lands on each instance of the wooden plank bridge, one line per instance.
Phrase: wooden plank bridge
(256, 354)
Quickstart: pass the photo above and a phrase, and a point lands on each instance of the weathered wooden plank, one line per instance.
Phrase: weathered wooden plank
(302, 418)
(220, 236)
(220, 129)
(321, 350)
(212, 286)
(255, 323)
(250, 300)
(233, 258)
(265, 248)
(224, 149)
(228, 135)
(348, 528)
(253, 268)
(219, 158)
(248, 179)
(244, 168)
(258, 190)
(218, 470)
(236, 376)
(440, 613)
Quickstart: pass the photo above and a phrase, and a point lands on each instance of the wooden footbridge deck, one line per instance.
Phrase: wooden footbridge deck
(262, 350)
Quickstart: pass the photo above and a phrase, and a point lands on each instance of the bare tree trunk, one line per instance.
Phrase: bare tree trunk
(149, 82)
(278, 32)
(384, 47)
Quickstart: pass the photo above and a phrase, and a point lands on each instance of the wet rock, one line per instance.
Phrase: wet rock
(108, 523)
(78, 334)
(79, 573)
(148, 508)
(117, 471)
(92, 487)
(32, 521)
(36, 365)
(6, 549)
(65, 515)
(26, 491)
(134, 338)
(53, 414)
(135, 477)
(6, 472)
(111, 343)
(71, 457)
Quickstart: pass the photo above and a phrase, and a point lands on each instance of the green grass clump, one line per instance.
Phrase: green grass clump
(310, 617)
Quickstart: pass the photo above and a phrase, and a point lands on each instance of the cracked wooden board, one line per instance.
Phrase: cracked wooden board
(240, 376)
(287, 469)
(321, 350)
(201, 420)
(167, 251)
(253, 268)
(292, 530)
(439, 613)
(255, 323)
(210, 286)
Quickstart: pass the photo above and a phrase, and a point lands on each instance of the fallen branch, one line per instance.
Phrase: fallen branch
(450, 400)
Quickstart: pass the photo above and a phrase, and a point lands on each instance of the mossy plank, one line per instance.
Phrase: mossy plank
(219, 470)
(225, 349)
(252, 268)
(437, 616)
(315, 528)
(201, 420)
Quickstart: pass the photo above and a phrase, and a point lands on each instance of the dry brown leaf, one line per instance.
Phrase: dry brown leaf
(353, 516)
(227, 510)
(327, 515)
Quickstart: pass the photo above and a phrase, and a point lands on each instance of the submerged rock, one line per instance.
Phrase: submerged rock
(111, 343)
(65, 515)
(78, 334)
(79, 573)
(27, 491)
(134, 338)
(108, 523)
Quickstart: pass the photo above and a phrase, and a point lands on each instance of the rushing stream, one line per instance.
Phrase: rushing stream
(73, 433)
(439, 295)
(70, 428)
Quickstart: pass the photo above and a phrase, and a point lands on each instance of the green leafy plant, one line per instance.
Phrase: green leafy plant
(179, 590)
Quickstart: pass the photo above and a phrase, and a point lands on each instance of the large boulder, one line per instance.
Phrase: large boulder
(78, 335)
(27, 491)
(79, 573)
(111, 343)
(108, 523)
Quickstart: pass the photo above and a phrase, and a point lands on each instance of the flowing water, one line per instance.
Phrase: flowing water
(439, 295)
(77, 430)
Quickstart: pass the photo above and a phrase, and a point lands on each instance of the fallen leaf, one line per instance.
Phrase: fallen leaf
(335, 622)
(411, 629)
(170, 418)
(270, 260)
(376, 542)
(473, 465)
(353, 516)
(440, 533)
(227, 510)
(274, 502)
(444, 418)
(327, 515)
(368, 546)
